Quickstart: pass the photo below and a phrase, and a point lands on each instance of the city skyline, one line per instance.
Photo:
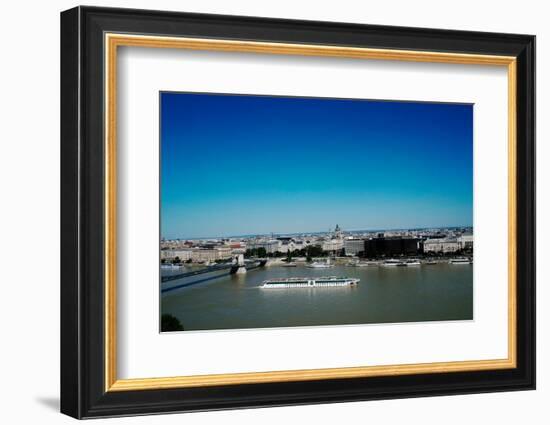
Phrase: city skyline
(236, 165)
(313, 233)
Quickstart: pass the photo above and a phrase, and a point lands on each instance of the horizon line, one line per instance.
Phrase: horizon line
(317, 232)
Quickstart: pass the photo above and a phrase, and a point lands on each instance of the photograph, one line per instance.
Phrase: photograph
(279, 211)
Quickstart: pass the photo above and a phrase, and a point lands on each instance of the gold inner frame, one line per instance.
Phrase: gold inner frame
(113, 41)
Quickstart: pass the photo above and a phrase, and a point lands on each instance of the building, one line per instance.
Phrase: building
(170, 254)
(236, 247)
(466, 242)
(332, 245)
(202, 255)
(299, 244)
(391, 246)
(441, 246)
(287, 246)
(271, 246)
(354, 246)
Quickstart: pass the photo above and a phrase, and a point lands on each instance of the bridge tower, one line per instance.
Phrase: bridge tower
(241, 265)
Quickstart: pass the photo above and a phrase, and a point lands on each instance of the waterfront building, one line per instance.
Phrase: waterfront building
(466, 242)
(286, 246)
(170, 254)
(198, 255)
(354, 246)
(201, 255)
(391, 246)
(175, 244)
(290, 244)
(332, 245)
(236, 247)
(441, 246)
(300, 244)
(271, 246)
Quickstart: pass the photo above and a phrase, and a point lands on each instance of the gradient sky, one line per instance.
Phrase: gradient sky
(237, 165)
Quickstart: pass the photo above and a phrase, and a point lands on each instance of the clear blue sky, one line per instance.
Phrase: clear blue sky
(235, 165)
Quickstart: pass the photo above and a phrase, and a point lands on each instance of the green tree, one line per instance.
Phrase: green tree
(314, 251)
(288, 256)
(262, 253)
(169, 323)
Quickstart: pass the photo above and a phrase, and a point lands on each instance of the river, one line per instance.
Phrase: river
(384, 295)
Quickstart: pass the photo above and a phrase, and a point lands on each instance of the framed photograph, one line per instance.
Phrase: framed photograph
(261, 212)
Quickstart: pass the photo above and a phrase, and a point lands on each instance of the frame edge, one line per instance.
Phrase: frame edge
(70, 349)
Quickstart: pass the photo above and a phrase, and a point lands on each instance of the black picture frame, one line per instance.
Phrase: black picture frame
(83, 392)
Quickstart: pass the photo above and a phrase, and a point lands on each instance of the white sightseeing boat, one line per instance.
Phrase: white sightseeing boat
(393, 263)
(460, 261)
(363, 264)
(321, 265)
(309, 282)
